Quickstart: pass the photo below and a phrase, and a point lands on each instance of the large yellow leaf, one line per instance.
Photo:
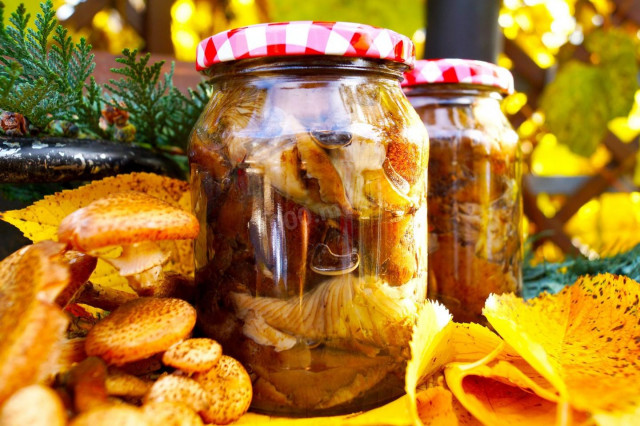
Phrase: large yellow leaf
(498, 393)
(436, 341)
(585, 341)
(40, 221)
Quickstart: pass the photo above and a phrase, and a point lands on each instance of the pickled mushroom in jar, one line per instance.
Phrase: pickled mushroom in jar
(314, 243)
(474, 214)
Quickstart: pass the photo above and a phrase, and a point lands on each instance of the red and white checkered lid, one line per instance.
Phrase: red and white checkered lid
(464, 71)
(298, 38)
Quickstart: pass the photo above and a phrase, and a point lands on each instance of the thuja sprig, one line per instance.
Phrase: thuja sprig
(53, 70)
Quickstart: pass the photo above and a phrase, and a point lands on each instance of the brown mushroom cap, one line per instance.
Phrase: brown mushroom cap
(179, 389)
(229, 387)
(33, 405)
(140, 328)
(81, 267)
(193, 355)
(31, 327)
(119, 383)
(169, 413)
(126, 218)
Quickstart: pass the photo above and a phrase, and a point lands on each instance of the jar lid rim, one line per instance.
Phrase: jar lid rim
(304, 38)
(464, 71)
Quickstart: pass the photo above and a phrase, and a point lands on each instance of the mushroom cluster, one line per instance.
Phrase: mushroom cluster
(80, 354)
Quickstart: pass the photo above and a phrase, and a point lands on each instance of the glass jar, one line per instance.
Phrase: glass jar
(308, 174)
(475, 168)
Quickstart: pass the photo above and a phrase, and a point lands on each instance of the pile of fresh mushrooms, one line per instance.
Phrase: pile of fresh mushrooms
(133, 360)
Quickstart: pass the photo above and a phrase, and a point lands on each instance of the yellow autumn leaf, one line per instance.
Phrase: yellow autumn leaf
(40, 221)
(497, 393)
(429, 349)
(585, 341)
(437, 407)
(436, 341)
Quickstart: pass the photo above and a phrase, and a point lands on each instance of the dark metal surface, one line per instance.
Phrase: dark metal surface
(466, 29)
(28, 160)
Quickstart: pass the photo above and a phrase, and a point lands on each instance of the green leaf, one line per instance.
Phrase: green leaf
(576, 107)
(583, 98)
(616, 53)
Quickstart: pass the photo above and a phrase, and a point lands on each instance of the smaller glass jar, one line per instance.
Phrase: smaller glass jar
(474, 182)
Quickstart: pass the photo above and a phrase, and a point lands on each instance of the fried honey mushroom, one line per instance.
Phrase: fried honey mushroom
(134, 222)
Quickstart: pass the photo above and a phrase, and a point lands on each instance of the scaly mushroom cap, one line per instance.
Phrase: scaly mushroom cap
(34, 405)
(179, 389)
(193, 355)
(126, 218)
(169, 413)
(119, 383)
(32, 328)
(140, 328)
(229, 388)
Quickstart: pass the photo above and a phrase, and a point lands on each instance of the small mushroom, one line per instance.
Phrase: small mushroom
(81, 267)
(134, 221)
(121, 415)
(170, 413)
(87, 379)
(229, 388)
(119, 383)
(34, 405)
(102, 297)
(193, 355)
(140, 328)
(182, 389)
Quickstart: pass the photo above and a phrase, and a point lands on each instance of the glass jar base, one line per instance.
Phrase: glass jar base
(391, 388)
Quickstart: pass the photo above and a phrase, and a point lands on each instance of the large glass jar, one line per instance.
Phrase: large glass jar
(308, 171)
(475, 204)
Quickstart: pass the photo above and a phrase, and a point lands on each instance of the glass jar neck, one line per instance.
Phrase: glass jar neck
(458, 93)
(305, 66)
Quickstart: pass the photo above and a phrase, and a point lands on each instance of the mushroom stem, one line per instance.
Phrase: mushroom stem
(144, 282)
(102, 297)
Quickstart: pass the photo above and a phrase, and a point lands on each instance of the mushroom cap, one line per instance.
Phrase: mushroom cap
(87, 379)
(140, 328)
(126, 218)
(193, 355)
(119, 383)
(34, 405)
(182, 389)
(81, 267)
(170, 413)
(32, 328)
(229, 387)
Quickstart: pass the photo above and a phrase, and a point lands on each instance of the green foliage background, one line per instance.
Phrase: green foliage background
(584, 97)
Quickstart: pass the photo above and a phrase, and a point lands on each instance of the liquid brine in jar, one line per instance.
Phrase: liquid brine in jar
(308, 172)
(475, 168)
